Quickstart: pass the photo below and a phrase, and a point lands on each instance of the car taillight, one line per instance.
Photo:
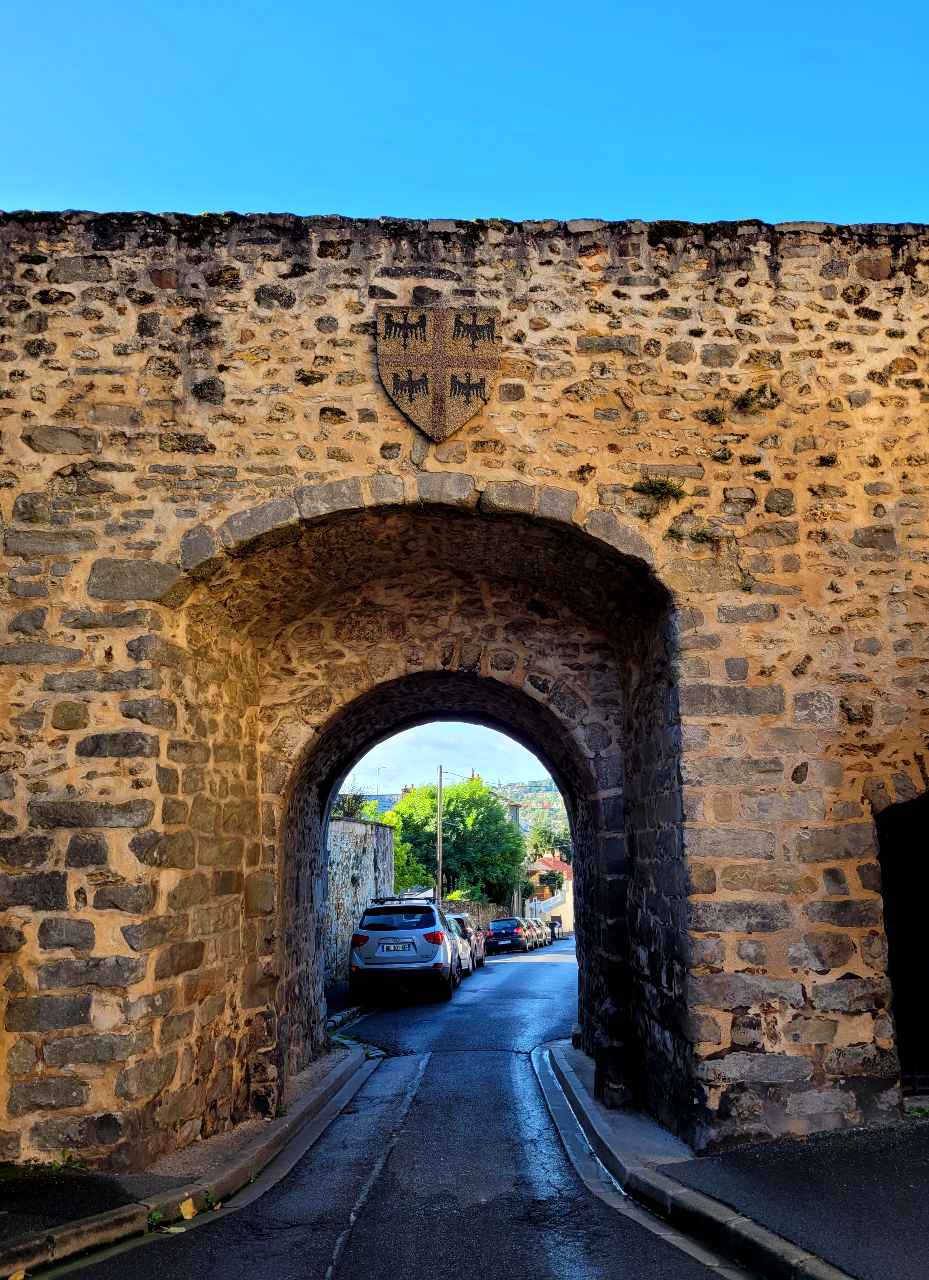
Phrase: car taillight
(518, 930)
(359, 939)
(436, 936)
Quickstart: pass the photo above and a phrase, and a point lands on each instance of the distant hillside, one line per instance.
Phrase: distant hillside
(540, 802)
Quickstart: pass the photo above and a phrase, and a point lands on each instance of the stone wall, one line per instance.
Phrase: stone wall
(360, 867)
(230, 563)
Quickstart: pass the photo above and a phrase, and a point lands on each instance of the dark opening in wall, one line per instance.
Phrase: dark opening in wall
(903, 834)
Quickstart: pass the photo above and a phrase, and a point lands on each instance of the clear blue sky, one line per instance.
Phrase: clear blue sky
(412, 758)
(802, 109)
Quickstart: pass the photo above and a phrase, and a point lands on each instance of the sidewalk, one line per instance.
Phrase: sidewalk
(851, 1204)
(78, 1211)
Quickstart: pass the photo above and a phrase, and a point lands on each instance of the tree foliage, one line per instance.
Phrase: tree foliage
(349, 804)
(545, 838)
(553, 880)
(482, 850)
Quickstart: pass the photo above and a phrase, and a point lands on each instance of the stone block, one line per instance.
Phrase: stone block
(77, 1133)
(70, 715)
(121, 743)
(50, 1093)
(757, 611)
(155, 931)
(25, 851)
(784, 533)
(157, 712)
(851, 995)
(86, 849)
(876, 537)
(739, 917)
(47, 1013)
(123, 895)
(179, 957)
(41, 890)
(90, 813)
(243, 527)
(93, 971)
(755, 1068)
(628, 344)
(132, 580)
(318, 500)
(718, 355)
(509, 496)
(731, 700)
(832, 844)
(814, 707)
(862, 1060)
(821, 952)
(35, 654)
(96, 1049)
(260, 893)
(72, 440)
(12, 939)
(146, 1078)
(723, 842)
(744, 991)
(557, 504)
(385, 490)
(48, 542)
(56, 932)
(87, 266)
(846, 913)
(446, 488)
(183, 752)
(727, 771)
(199, 549)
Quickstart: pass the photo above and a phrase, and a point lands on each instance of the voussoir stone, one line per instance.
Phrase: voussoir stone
(447, 487)
(323, 499)
(509, 495)
(243, 527)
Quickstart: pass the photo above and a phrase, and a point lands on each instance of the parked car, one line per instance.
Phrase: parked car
(465, 954)
(541, 933)
(507, 933)
(474, 934)
(400, 942)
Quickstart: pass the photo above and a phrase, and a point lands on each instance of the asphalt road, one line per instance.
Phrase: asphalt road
(445, 1164)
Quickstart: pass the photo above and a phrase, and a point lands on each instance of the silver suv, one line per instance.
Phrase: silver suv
(403, 941)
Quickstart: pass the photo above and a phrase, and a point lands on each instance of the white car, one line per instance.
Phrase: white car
(465, 954)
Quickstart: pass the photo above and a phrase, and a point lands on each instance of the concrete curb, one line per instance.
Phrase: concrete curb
(136, 1218)
(343, 1018)
(690, 1211)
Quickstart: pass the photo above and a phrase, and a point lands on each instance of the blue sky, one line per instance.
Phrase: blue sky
(412, 757)
(811, 109)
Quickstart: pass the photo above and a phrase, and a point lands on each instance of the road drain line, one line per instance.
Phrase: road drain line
(379, 1166)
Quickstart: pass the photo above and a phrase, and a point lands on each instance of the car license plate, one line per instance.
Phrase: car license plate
(504, 942)
(397, 946)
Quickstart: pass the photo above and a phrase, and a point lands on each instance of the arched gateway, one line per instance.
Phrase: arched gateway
(673, 551)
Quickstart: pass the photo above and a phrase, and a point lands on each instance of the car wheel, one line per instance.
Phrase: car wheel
(446, 987)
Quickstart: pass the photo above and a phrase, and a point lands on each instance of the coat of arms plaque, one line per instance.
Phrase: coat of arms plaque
(438, 364)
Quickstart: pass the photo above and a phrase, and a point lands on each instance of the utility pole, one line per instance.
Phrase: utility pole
(438, 843)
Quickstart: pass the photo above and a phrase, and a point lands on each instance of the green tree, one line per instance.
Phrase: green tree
(552, 880)
(544, 838)
(349, 804)
(482, 850)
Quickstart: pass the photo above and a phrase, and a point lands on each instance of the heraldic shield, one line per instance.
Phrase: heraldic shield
(439, 365)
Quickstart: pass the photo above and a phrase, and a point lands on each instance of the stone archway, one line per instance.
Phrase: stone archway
(363, 622)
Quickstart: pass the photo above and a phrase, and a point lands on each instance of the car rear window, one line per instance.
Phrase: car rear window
(387, 919)
(498, 925)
